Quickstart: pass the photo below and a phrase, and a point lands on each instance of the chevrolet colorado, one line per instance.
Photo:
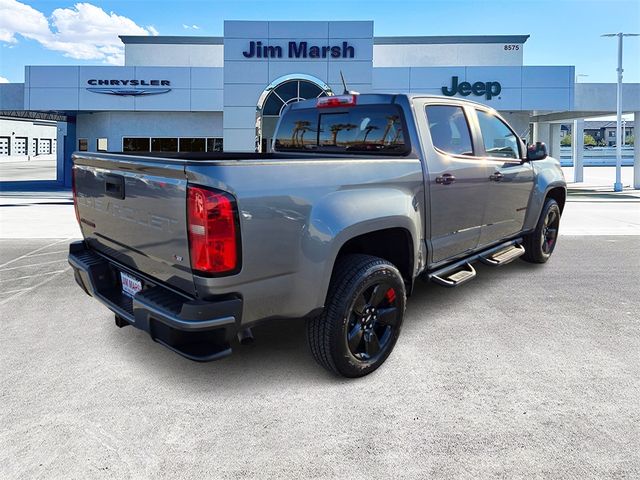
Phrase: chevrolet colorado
(363, 195)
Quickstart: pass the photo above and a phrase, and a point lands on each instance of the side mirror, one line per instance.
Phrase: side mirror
(537, 151)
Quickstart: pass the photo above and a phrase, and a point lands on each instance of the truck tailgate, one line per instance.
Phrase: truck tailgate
(133, 209)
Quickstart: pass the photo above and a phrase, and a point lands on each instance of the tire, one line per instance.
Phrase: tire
(362, 317)
(539, 244)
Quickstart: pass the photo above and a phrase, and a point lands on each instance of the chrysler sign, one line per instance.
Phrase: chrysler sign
(128, 87)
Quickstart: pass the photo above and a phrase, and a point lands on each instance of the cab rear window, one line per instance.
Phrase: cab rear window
(362, 129)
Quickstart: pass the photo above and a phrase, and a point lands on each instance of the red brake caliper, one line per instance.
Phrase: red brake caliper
(390, 295)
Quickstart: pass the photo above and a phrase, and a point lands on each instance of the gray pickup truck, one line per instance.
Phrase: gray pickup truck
(363, 195)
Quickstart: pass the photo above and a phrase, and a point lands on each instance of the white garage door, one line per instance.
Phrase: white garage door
(20, 146)
(44, 146)
(4, 145)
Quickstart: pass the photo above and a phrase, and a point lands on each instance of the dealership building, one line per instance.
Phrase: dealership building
(215, 93)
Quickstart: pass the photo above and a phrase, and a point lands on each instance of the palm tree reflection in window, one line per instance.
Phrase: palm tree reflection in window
(297, 136)
(337, 128)
(376, 128)
(392, 122)
(367, 131)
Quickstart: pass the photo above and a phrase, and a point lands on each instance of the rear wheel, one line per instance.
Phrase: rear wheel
(540, 243)
(362, 318)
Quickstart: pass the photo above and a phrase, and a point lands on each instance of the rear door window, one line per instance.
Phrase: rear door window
(449, 129)
(361, 129)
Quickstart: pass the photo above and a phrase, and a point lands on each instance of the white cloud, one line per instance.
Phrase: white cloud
(4, 80)
(85, 32)
(190, 27)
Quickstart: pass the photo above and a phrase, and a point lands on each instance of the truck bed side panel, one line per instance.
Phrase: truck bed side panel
(295, 214)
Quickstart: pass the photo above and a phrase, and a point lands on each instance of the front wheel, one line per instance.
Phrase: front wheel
(362, 317)
(539, 244)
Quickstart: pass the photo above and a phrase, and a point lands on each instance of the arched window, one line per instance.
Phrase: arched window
(290, 91)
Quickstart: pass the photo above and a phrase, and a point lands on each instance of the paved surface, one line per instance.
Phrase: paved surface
(528, 371)
(33, 169)
(601, 178)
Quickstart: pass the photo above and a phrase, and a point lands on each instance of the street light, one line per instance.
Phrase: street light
(617, 187)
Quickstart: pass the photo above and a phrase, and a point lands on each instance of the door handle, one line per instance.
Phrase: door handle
(445, 179)
(496, 177)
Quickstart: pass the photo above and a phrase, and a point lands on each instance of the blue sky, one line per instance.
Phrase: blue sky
(563, 32)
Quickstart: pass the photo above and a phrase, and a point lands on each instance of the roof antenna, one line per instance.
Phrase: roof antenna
(344, 85)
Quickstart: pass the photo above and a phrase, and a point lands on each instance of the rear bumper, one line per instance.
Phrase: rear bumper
(198, 330)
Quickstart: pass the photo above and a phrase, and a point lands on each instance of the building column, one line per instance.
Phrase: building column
(636, 151)
(541, 133)
(70, 146)
(554, 140)
(60, 150)
(577, 148)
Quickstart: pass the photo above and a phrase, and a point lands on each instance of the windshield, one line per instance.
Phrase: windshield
(360, 129)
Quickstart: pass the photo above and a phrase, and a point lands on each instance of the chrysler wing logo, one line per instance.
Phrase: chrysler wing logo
(128, 88)
(129, 92)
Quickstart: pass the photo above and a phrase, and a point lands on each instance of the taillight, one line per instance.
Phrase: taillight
(212, 219)
(336, 101)
(75, 193)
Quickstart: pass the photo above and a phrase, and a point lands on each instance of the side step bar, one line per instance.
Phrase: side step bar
(462, 271)
(453, 277)
(503, 256)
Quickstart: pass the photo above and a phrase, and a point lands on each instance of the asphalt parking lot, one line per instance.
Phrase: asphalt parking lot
(528, 371)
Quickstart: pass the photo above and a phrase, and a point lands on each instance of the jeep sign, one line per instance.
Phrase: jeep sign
(488, 89)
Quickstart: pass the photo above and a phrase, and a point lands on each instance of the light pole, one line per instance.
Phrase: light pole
(617, 187)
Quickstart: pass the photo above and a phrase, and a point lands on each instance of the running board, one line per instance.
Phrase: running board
(503, 256)
(453, 276)
(462, 271)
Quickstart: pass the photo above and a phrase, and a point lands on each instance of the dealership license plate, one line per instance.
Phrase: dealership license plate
(130, 284)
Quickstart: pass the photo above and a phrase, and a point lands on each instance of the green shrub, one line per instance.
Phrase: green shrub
(589, 141)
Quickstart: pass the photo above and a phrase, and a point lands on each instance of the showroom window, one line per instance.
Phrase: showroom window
(102, 144)
(214, 145)
(83, 144)
(164, 144)
(134, 144)
(170, 144)
(193, 144)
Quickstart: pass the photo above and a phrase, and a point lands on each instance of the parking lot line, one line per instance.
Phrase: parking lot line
(38, 285)
(48, 253)
(30, 276)
(34, 251)
(33, 265)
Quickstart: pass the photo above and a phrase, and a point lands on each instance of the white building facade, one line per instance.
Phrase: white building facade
(213, 93)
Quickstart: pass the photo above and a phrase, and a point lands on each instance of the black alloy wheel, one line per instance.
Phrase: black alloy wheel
(539, 244)
(373, 318)
(362, 317)
(550, 231)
